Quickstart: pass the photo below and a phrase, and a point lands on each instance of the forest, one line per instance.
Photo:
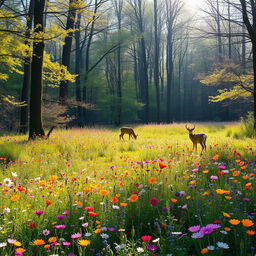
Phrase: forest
(78, 63)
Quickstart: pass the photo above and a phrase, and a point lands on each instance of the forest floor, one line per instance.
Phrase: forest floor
(85, 192)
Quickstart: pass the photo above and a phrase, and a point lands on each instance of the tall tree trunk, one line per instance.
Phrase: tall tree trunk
(77, 70)
(66, 52)
(219, 39)
(156, 61)
(35, 121)
(26, 77)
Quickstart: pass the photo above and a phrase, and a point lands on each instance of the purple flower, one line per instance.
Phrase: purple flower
(60, 217)
(221, 167)
(213, 226)
(246, 199)
(206, 230)
(111, 229)
(65, 243)
(151, 247)
(164, 209)
(195, 170)
(66, 212)
(194, 229)
(76, 235)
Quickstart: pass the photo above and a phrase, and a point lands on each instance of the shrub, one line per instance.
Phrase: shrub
(9, 152)
(247, 126)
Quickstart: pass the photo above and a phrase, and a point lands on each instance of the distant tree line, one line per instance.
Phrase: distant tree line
(79, 63)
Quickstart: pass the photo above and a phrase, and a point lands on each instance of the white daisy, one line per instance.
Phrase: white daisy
(7, 182)
(222, 245)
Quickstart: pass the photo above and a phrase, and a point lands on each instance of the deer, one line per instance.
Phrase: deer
(197, 138)
(127, 130)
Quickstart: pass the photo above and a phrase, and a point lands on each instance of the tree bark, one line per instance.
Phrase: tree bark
(35, 121)
(23, 128)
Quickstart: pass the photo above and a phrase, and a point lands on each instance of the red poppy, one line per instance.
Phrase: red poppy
(92, 214)
(48, 202)
(89, 208)
(161, 165)
(32, 224)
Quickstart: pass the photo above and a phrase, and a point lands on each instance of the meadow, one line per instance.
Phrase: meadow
(85, 192)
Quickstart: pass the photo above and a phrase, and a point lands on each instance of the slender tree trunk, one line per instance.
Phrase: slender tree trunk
(156, 62)
(66, 52)
(35, 121)
(77, 70)
(26, 77)
(219, 40)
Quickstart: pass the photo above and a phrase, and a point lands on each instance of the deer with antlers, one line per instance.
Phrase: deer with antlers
(197, 138)
(127, 130)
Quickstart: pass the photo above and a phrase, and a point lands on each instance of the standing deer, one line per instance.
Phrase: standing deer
(127, 130)
(197, 138)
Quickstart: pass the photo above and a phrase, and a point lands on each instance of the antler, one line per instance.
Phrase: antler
(194, 127)
(186, 127)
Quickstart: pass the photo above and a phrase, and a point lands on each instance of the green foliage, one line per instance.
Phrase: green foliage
(10, 151)
(247, 126)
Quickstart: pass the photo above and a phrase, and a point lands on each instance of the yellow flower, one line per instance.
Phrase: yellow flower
(192, 182)
(39, 242)
(84, 242)
(226, 215)
(247, 223)
(206, 171)
(134, 198)
(15, 198)
(234, 222)
(17, 243)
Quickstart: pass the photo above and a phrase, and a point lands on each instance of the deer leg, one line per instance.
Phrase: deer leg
(202, 145)
(129, 136)
(196, 146)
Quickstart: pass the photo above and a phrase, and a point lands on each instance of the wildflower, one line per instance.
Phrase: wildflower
(134, 198)
(22, 250)
(89, 208)
(104, 236)
(206, 230)
(222, 245)
(250, 232)
(194, 229)
(60, 217)
(211, 247)
(48, 202)
(192, 182)
(156, 240)
(153, 201)
(197, 235)
(173, 200)
(87, 234)
(39, 242)
(152, 180)
(66, 212)
(104, 192)
(226, 215)
(214, 177)
(52, 239)
(84, 243)
(65, 243)
(222, 191)
(85, 225)
(213, 226)
(247, 223)
(234, 222)
(123, 204)
(76, 235)
(97, 231)
(59, 226)
(11, 240)
(146, 238)
(15, 198)
(140, 249)
(162, 165)
(46, 232)
(216, 157)
(204, 250)
(32, 225)
(38, 212)
(3, 245)
(151, 247)
(92, 214)
(17, 243)
(7, 182)
(114, 199)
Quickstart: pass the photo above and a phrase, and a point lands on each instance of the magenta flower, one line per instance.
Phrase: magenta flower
(66, 212)
(153, 201)
(60, 217)
(213, 226)
(222, 167)
(206, 230)
(38, 212)
(151, 247)
(65, 243)
(76, 235)
(194, 229)
(59, 226)
(195, 170)
(246, 199)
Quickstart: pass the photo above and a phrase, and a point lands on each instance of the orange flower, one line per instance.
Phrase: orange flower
(152, 180)
(134, 198)
(188, 197)
(104, 192)
(241, 163)
(52, 239)
(227, 229)
(228, 197)
(206, 171)
(192, 182)
(243, 167)
(15, 198)
(226, 215)
(222, 191)
(234, 222)
(216, 157)
(250, 232)
(123, 204)
(247, 223)
(205, 250)
(47, 246)
(205, 194)
(39, 242)
(97, 231)
(173, 200)
(84, 243)
(22, 250)
(114, 199)
(236, 173)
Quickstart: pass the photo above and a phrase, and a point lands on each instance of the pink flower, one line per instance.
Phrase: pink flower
(194, 229)
(207, 230)
(146, 238)
(11, 240)
(214, 177)
(65, 243)
(59, 226)
(76, 235)
(89, 208)
(66, 212)
(222, 167)
(46, 232)
(213, 226)
(153, 201)
(38, 212)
